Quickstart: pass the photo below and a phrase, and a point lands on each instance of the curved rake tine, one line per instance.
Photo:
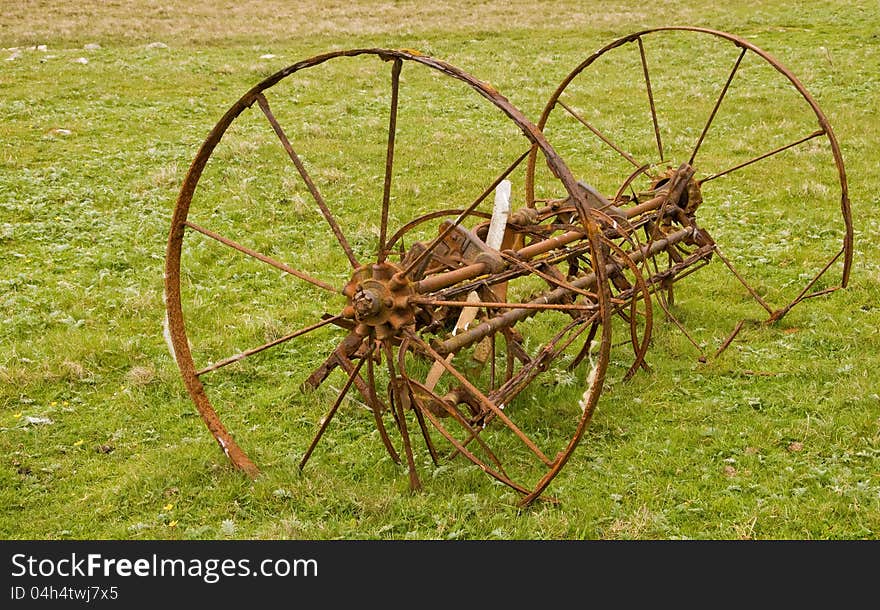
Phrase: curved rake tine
(479, 396)
(641, 349)
(463, 450)
(401, 366)
(457, 416)
(414, 483)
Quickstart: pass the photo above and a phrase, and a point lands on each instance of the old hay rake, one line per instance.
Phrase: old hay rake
(388, 231)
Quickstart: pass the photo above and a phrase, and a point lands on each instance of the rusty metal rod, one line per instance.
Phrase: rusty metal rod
(513, 316)
(261, 257)
(265, 346)
(389, 158)
(775, 151)
(327, 418)
(503, 305)
(599, 134)
(718, 104)
(650, 97)
(304, 174)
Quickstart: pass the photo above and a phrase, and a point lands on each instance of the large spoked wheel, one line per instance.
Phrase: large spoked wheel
(332, 240)
(758, 153)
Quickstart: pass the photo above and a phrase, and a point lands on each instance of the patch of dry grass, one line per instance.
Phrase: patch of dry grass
(38, 21)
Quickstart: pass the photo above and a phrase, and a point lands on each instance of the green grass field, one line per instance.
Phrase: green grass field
(777, 438)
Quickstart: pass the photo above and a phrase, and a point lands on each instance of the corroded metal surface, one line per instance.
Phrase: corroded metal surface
(595, 257)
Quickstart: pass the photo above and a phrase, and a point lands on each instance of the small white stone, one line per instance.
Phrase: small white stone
(80, 60)
(58, 131)
(267, 56)
(157, 45)
(92, 46)
(15, 55)
(42, 48)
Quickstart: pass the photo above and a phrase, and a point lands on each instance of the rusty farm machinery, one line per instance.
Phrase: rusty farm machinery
(384, 229)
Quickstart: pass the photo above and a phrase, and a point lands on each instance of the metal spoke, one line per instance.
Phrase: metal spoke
(367, 390)
(775, 151)
(389, 158)
(650, 98)
(717, 105)
(334, 226)
(326, 421)
(742, 281)
(256, 350)
(599, 134)
(777, 315)
(262, 257)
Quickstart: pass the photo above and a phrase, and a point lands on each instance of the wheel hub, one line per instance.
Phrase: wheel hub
(378, 300)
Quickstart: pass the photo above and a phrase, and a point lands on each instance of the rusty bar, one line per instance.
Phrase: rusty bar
(777, 315)
(599, 134)
(513, 316)
(285, 142)
(256, 350)
(367, 389)
(547, 277)
(504, 305)
(549, 244)
(650, 97)
(665, 307)
(730, 338)
(717, 104)
(326, 421)
(815, 134)
(742, 281)
(395, 395)
(389, 158)
(262, 257)
(647, 206)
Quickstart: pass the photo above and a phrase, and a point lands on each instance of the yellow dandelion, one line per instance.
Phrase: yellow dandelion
(53, 404)
(168, 507)
(78, 443)
(172, 523)
(17, 416)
